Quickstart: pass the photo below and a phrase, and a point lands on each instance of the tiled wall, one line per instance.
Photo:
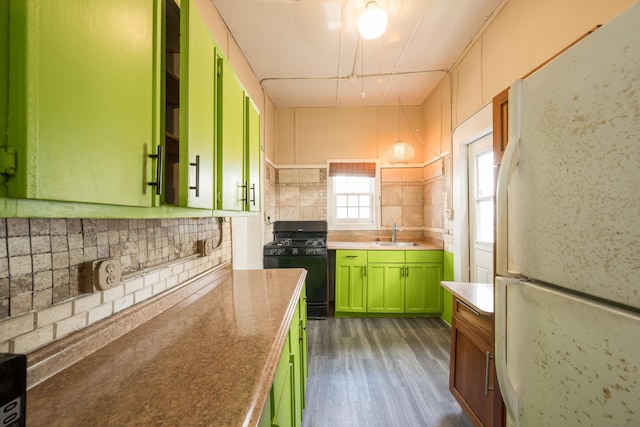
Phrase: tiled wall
(414, 197)
(301, 194)
(41, 267)
(401, 197)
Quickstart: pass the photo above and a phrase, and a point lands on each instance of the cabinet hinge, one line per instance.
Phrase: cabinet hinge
(8, 161)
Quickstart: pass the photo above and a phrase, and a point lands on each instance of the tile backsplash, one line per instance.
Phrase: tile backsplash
(41, 260)
(414, 197)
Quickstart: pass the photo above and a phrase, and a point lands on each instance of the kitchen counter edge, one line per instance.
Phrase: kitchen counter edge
(478, 295)
(371, 246)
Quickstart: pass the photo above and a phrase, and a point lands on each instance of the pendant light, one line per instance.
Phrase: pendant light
(399, 151)
(373, 21)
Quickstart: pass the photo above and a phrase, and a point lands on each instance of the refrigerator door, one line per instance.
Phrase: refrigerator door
(568, 205)
(569, 361)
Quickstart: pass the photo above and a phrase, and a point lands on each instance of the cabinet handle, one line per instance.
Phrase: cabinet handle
(253, 194)
(486, 374)
(159, 173)
(364, 271)
(469, 307)
(407, 271)
(245, 199)
(402, 272)
(197, 186)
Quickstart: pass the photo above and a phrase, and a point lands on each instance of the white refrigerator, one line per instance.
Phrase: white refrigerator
(567, 295)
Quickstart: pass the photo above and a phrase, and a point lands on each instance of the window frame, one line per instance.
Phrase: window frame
(359, 224)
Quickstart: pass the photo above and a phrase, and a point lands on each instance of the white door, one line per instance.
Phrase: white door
(481, 210)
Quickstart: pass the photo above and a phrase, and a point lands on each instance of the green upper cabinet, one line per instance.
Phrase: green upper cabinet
(231, 188)
(238, 144)
(4, 83)
(252, 156)
(82, 111)
(197, 112)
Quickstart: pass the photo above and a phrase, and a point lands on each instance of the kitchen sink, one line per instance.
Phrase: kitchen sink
(397, 244)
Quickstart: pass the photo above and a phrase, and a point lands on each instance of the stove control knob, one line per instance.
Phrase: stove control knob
(294, 251)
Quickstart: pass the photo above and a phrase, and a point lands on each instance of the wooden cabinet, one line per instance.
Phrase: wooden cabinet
(351, 281)
(472, 378)
(287, 396)
(500, 125)
(83, 107)
(388, 282)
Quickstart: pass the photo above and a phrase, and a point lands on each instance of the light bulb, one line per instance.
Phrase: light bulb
(373, 21)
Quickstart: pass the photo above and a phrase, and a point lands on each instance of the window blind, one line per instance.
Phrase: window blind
(352, 169)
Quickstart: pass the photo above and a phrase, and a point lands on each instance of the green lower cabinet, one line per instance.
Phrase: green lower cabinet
(286, 399)
(385, 293)
(389, 282)
(351, 281)
(423, 293)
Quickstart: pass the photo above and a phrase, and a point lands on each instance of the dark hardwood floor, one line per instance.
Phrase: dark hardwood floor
(380, 372)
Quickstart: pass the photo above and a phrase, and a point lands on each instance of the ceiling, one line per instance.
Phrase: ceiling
(308, 53)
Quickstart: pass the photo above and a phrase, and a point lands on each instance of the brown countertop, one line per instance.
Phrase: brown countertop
(477, 295)
(208, 360)
(371, 246)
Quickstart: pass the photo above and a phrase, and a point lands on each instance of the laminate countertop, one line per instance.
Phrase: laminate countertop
(372, 246)
(478, 295)
(208, 360)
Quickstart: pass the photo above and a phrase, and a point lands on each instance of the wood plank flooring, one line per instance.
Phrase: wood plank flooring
(380, 372)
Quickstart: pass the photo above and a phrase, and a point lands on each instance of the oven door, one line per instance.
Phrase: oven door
(316, 267)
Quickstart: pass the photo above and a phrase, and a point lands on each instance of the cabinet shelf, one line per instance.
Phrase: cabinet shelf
(173, 89)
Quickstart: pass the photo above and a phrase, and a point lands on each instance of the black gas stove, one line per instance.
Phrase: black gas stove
(296, 247)
(302, 244)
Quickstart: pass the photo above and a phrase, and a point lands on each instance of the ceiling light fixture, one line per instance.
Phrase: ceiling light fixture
(373, 21)
(400, 151)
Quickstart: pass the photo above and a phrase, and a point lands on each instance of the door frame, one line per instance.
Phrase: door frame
(475, 127)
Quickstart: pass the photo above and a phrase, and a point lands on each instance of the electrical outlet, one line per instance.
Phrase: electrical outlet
(205, 247)
(107, 273)
(102, 274)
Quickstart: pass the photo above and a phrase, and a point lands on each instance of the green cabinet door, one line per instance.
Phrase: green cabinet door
(303, 343)
(422, 287)
(386, 288)
(197, 110)
(252, 156)
(231, 189)
(351, 282)
(4, 83)
(82, 76)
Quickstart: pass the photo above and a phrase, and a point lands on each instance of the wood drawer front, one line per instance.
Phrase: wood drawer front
(478, 323)
(423, 256)
(386, 256)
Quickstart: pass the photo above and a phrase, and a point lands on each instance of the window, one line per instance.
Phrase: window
(484, 197)
(351, 200)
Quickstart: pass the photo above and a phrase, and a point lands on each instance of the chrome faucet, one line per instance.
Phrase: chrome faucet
(393, 231)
